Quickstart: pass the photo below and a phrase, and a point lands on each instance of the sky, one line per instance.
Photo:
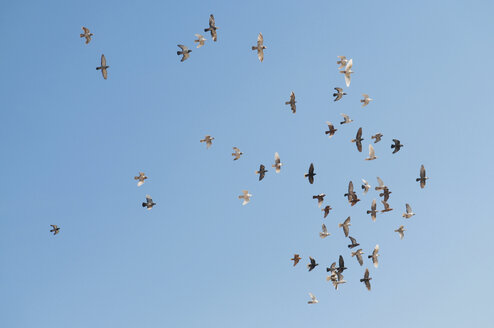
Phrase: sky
(72, 143)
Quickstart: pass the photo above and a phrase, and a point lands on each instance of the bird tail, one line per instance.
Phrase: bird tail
(392, 146)
(98, 68)
(82, 35)
(179, 53)
(207, 29)
(254, 48)
(418, 179)
(369, 256)
(287, 103)
(340, 225)
(144, 204)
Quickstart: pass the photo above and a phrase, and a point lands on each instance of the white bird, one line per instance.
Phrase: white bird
(347, 71)
(381, 184)
(401, 231)
(374, 256)
(277, 162)
(342, 62)
(366, 186)
(366, 100)
(346, 118)
(200, 40)
(246, 197)
(313, 299)
(409, 213)
(372, 154)
(324, 232)
(237, 153)
(208, 140)
(260, 47)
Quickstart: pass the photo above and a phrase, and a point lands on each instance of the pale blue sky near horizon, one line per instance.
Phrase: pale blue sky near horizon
(72, 143)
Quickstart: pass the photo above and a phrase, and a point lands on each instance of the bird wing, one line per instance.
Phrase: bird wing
(260, 39)
(373, 206)
(260, 54)
(350, 187)
(380, 182)
(345, 230)
(149, 199)
(347, 221)
(324, 229)
(311, 168)
(103, 61)
(341, 262)
(346, 117)
(359, 134)
(339, 90)
(349, 65)
(54, 226)
(352, 240)
(422, 171)
(85, 29)
(359, 258)
(347, 79)
(371, 151)
(312, 296)
(140, 183)
(211, 20)
(184, 48)
(105, 73)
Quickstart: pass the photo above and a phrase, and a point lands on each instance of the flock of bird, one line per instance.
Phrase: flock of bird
(345, 67)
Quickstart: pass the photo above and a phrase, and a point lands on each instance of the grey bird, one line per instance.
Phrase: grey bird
(345, 225)
(342, 62)
(358, 254)
(212, 28)
(341, 265)
(397, 146)
(326, 210)
(346, 119)
(141, 177)
(200, 40)
(385, 193)
(358, 140)
(277, 163)
(331, 130)
(354, 242)
(401, 231)
(338, 94)
(409, 213)
(377, 136)
(55, 229)
(149, 203)
(87, 34)
(366, 280)
(260, 47)
(312, 264)
(324, 232)
(185, 52)
(422, 178)
(374, 256)
(292, 103)
(366, 100)
(262, 171)
(386, 207)
(366, 186)
(310, 174)
(103, 67)
(236, 153)
(348, 71)
(373, 211)
(320, 199)
(208, 140)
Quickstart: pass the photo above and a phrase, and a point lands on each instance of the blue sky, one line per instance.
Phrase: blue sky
(72, 142)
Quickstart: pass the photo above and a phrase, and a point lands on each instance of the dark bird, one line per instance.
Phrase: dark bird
(320, 199)
(296, 258)
(377, 136)
(345, 225)
(351, 195)
(185, 52)
(386, 207)
(358, 140)
(312, 264)
(262, 171)
(310, 174)
(260, 47)
(86, 34)
(331, 130)
(338, 94)
(358, 254)
(397, 145)
(149, 203)
(55, 229)
(326, 210)
(373, 211)
(374, 256)
(422, 178)
(354, 242)
(341, 265)
(292, 103)
(366, 279)
(103, 67)
(212, 28)
(385, 194)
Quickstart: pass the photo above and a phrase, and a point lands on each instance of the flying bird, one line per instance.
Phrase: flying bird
(358, 254)
(324, 232)
(345, 225)
(381, 185)
(338, 282)
(212, 28)
(141, 177)
(372, 154)
(374, 256)
(200, 40)
(312, 264)
(338, 94)
(342, 62)
(320, 199)
(401, 231)
(245, 196)
(277, 163)
(354, 242)
(260, 47)
(373, 211)
(366, 186)
(292, 103)
(185, 52)
(378, 137)
(262, 171)
(296, 258)
(351, 195)
(341, 265)
(87, 34)
(348, 71)
(386, 207)
(409, 213)
(236, 153)
(366, 100)
(103, 67)
(346, 118)
(397, 145)
(331, 130)
(149, 203)
(422, 178)
(208, 140)
(332, 268)
(366, 279)
(313, 299)
(326, 210)
(55, 229)
(310, 174)
(358, 140)
(385, 193)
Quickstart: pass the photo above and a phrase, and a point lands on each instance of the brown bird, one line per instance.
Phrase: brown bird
(373, 211)
(377, 136)
(385, 193)
(312, 264)
(354, 242)
(200, 40)
(351, 195)
(366, 279)
(331, 130)
(320, 199)
(386, 207)
(422, 178)
(103, 67)
(208, 140)
(358, 254)
(262, 171)
(401, 231)
(358, 140)
(326, 210)
(296, 258)
(86, 34)
(260, 47)
(141, 177)
(409, 213)
(345, 225)
(310, 174)
(338, 94)
(212, 28)
(342, 62)
(55, 229)
(292, 103)
(397, 145)
(185, 52)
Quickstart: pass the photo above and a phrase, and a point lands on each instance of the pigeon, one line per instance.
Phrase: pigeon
(354, 242)
(236, 153)
(331, 130)
(422, 178)
(212, 28)
(373, 211)
(341, 265)
(324, 232)
(366, 100)
(208, 140)
(200, 40)
(342, 62)
(337, 282)
(296, 258)
(260, 47)
(246, 197)
(55, 229)
(149, 203)
(385, 194)
(346, 119)
(381, 184)
(332, 268)
(332, 277)
(372, 154)
(338, 94)
(378, 137)
(401, 231)
(345, 225)
(141, 177)
(375, 254)
(320, 199)
(277, 163)
(313, 299)
(87, 34)
(358, 254)
(409, 213)
(326, 210)
(397, 146)
(310, 174)
(358, 140)
(347, 71)
(103, 67)
(185, 52)
(366, 186)
(292, 103)
(386, 207)
(366, 279)
(262, 171)
(312, 264)
(351, 195)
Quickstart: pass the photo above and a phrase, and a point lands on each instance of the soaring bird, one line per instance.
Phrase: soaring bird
(149, 203)
(320, 199)
(348, 71)
(409, 213)
(338, 94)
(366, 279)
(358, 140)
(185, 52)
(277, 163)
(262, 171)
(86, 34)
(296, 258)
(324, 232)
(374, 256)
(373, 211)
(141, 177)
(377, 136)
(236, 153)
(312, 264)
(260, 47)
(342, 62)
(341, 265)
(354, 242)
(310, 174)
(245, 196)
(345, 225)
(358, 254)
(103, 67)
(313, 299)
(212, 28)
(401, 231)
(366, 100)
(292, 103)
(380, 183)
(366, 186)
(372, 154)
(326, 210)
(55, 229)
(386, 207)
(208, 140)
(346, 119)
(331, 130)
(200, 40)
(422, 178)
(385, 193)
(397, 145)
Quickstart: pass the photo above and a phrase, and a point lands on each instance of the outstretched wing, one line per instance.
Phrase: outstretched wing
(103, 61)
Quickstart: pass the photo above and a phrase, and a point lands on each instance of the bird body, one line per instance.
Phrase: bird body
(401, 231)
(354, 242)
(296, 258)
(326, 210)
(346, 119)
(358, 254)
(397, 146)
(277, 162)
(313, 299)
(366, 186)
(386, 207)
(374, 256)
(378, 137)
(366, 100)
(373, 211)
(338, 94)
(342, 62)
(358, 140)
(422, 178)
(385, 193)
(200, 40)
(312, 264)
(409, 213)
(320, 199)
(372, 154)
(348, 71)
(236, 153)
(366, 280)
(324, 232)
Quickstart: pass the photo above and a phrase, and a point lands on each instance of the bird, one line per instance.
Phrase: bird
(245, 196)
(324, 232)
(358, 140)
(348, 71)
(341, 265)
(338, 282)
(331, 130)
(236, 153)
(103, 67)
(366, 186)
(87, 34)
(342, 62)
(312, 264)
(212, 28)
(386, 207)
(354, 242)
(320, 199)
(313, 299)
(366, 100)
(374, 256)
(292, 103)
(277, 163)
(401, 231)
(373, 211)
(377, 136)
(346, 118)
(141, 177)
(149, 203)
(372, 154)
(351, 195)
(332, 268)
(326, 210)
(409, 213)
(422, 178)
(332, 277)
(296, 258)
(310, 174)
(338, 94)
(397, 146)
(358, 254)
(262, 171)
(385, 194)
(55, 229)
(366, 279)
(260, 47)
(208, 140)
(345, 225)
(200, 40)
(185, 52)
(381, 185)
